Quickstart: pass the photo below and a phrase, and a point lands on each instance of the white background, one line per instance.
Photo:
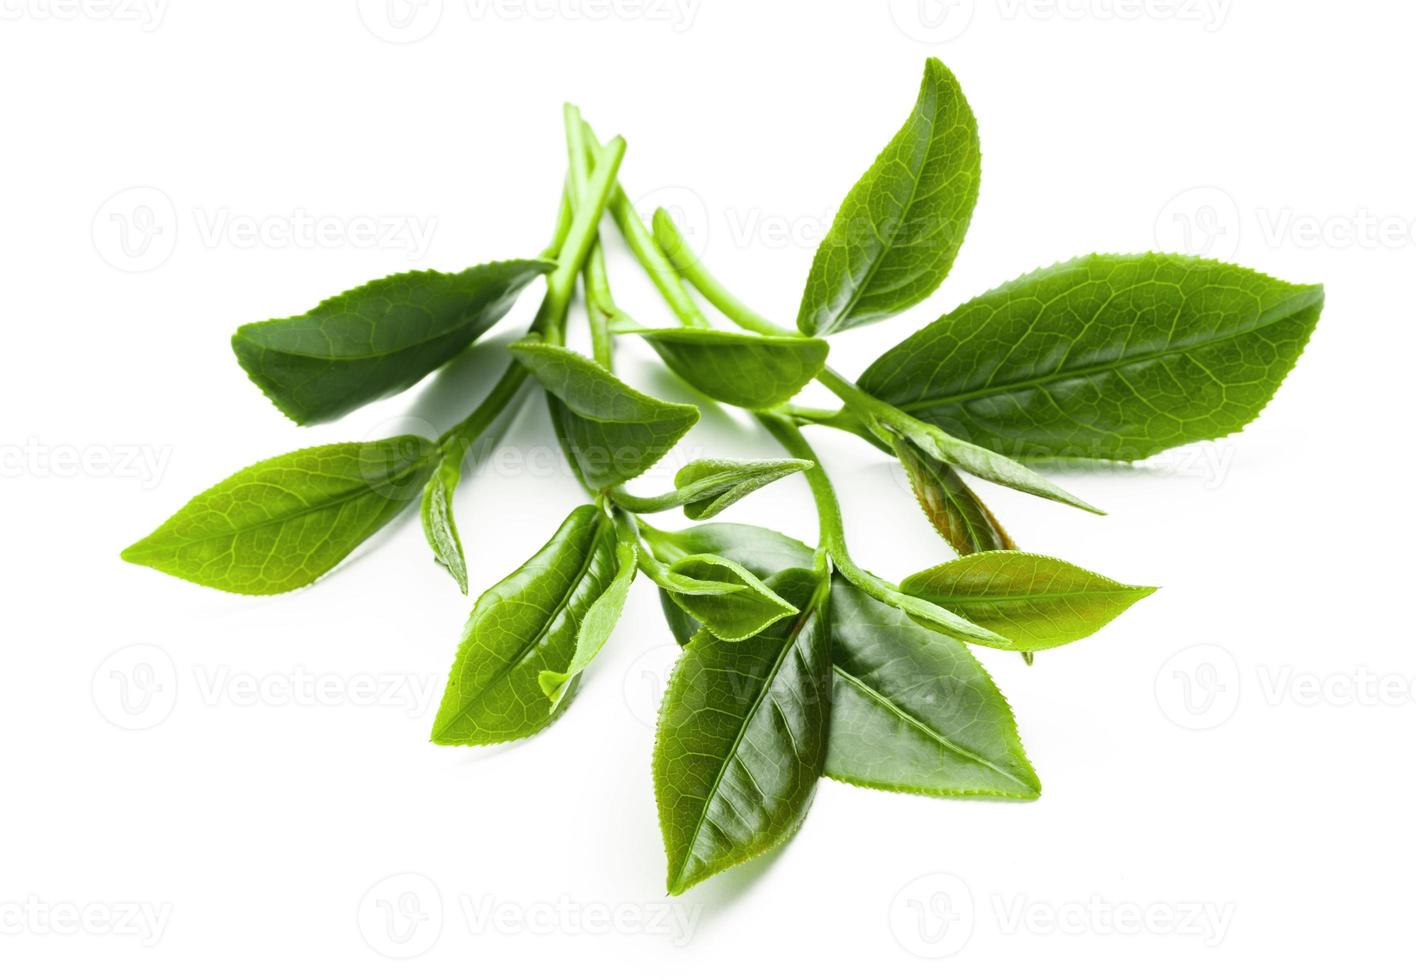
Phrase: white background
(1264, 824)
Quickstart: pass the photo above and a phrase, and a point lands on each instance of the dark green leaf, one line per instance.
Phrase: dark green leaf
(898, 230)
(951, 506)
(525, 624)
(376, 339)
(1106, 357)
(742, 738)
(1036, 601)
(742, 369)
(914, 712)
(614, 432)
(284, 522)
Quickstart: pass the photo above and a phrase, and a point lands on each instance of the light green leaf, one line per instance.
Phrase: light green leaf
(914, 712)
(439, 527)
(898, 230)
(954, 510)
(741, 369)
(601, 618)
(707, 487)
(742, 739)
(377, 339)
(1036, 601)
(523, 625)
(284, 522)
(729, 600)
(613, 432)
(1105, 357)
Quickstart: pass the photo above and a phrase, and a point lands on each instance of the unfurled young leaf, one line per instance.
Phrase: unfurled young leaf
(707, 487)
(897, 232)
(1105, 357)
(600, 620)
(725, 597)
(439, 527)
(284, 522)
(526, 624)
(914, 712)
(1036, 601)
(714, 485)
(376, 339)
(951, 506)
(742, 738)
(986, 464)
(613, 431)
(741, 369)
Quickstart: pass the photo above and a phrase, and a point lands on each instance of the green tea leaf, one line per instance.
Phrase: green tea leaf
(762, 552)
(741, 369)
(711, 486)
(729, 600)
(284, 522)
(439, 527)
(897, 232)
(376, 339)
(914, 712)
(602, 617)
(525, 624)
(1036, 601)
(985, 463)
(614, 432)
(1105, 357)
(742, 739)
(951, 506)
(707, 487)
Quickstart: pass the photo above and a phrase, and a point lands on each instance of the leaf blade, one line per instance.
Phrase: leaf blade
(376, 339)
(1038, 602)
(1103, 357)
(735, 782)
(950, 505)
(900, 227)
(614, 431)
(747, 370)
(525, 624)
(284, 522)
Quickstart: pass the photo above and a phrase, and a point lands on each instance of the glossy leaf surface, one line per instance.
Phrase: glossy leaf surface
(741, 369)
(896, 234)
(613, 431)
(525, 624)
(377, 339)
(914, 712)
(742, 738)
(1106, 356)
(950, 505)
(1036, 601)
(284, 522)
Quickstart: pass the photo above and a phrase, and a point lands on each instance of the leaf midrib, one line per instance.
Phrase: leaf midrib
(338, 500)
(1285, 312)
(787, 646)
(915, 723)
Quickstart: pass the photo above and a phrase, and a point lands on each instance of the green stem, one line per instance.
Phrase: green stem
(599, 303)
(645, 505)
(650, 256)
(583, 230)
(456, 440)
(828, 507)
(671, 241)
